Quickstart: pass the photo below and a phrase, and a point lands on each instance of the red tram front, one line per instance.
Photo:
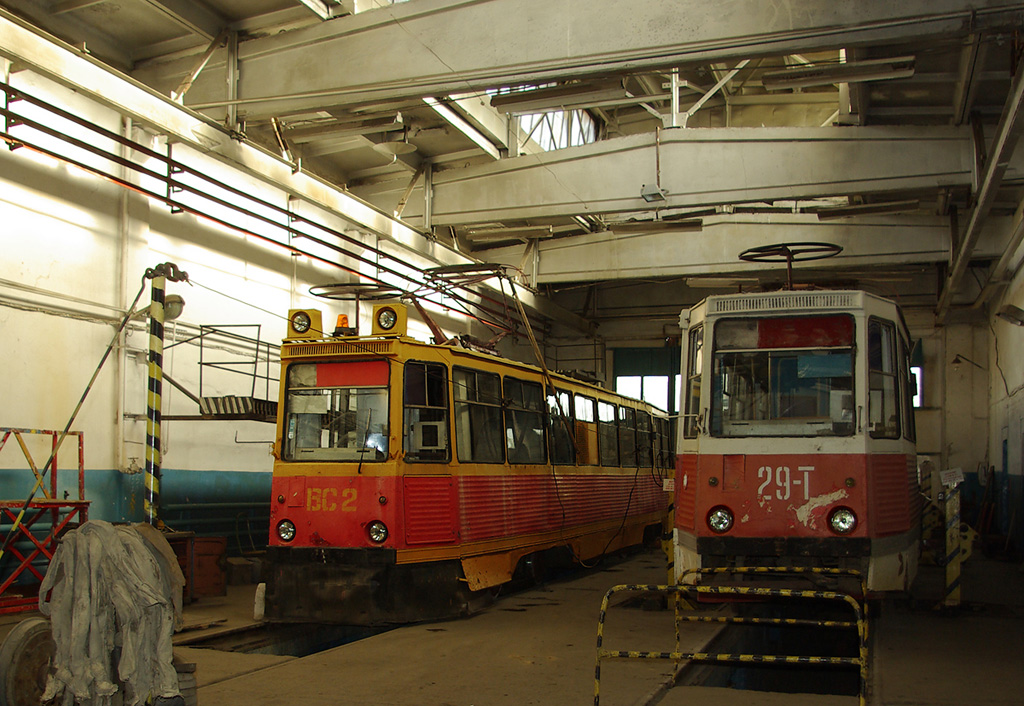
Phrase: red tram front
(797, 441)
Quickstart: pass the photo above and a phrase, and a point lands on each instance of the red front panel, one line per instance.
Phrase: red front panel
(773, 495)
(334, 510)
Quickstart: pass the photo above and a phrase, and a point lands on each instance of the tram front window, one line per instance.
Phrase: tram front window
(337, 412)
(766, 384)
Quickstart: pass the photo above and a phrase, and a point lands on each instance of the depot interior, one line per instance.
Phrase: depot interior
(608, 162)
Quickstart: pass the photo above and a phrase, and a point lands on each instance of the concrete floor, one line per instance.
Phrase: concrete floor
(538, 647)
(534, 647)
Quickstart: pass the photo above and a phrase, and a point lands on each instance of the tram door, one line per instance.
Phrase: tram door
(428, 490)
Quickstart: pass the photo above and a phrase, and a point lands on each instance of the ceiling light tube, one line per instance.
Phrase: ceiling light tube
(850, 72)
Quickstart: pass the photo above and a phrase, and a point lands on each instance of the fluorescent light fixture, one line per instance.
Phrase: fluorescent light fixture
(830, 212)
(565, 96)
(1011, 313)
(345, 128)
(652, 193)
(482, 235)
(849, 72)
(695, 224)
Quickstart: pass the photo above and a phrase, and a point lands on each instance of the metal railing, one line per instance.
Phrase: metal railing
(859, 610)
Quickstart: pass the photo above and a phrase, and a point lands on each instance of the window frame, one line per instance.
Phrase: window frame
(484, 416)
(444, 407)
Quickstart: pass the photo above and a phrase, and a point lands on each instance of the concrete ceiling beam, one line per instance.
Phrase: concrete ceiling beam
(703, 167)
(866, 241)
(440, 47)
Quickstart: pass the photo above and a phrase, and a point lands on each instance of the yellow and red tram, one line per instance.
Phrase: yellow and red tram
(797, 444)
(411, 479)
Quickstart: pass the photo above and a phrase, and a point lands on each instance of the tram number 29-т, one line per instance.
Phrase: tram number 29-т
(781, 483)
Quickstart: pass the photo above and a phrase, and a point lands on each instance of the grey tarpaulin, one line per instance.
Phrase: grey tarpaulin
(112, 586)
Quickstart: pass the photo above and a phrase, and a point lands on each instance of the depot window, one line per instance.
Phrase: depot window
(337, 412)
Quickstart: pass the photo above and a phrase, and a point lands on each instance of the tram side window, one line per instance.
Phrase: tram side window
(644, 439)
(426, 412)
(695, 359)
(608, 435)
(561, 429)
(666, 456)
(627, 436)
(478, 423)
(337, 412)
(524, 422)
(883, 386)
(586, 433)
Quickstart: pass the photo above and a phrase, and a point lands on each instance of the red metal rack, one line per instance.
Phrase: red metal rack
(45, 521)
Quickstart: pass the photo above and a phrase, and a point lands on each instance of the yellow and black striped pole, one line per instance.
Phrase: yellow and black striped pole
(159, 275)
(153, 398)
(953, 548)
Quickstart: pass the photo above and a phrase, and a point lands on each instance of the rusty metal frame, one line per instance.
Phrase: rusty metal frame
(61, 513)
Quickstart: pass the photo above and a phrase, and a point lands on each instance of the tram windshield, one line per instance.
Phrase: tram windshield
(337, 412)
(784, 376)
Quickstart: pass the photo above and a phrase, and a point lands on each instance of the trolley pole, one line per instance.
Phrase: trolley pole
(159, 275)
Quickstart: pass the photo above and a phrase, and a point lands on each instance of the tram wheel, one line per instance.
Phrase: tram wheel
(25, 658)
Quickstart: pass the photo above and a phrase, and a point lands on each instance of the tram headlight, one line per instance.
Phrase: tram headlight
(378, 531)
(286, 530)
(842, 520)
(720, 519)
(301, 322)
(386, 319)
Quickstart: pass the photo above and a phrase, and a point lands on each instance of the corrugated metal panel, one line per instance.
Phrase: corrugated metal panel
(913, 487)
(890, 501)
(429, 510)
(517, 505)
(784, 301)
(332, 348)
(686, 491)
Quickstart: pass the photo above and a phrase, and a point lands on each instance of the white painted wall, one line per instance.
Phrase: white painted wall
(75, 248)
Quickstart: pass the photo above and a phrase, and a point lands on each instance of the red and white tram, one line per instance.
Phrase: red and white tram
(796, 446)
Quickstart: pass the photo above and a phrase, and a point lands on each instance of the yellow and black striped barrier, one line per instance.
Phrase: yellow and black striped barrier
(859, 622)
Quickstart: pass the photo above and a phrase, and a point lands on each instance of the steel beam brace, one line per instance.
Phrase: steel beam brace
(1008, 132)
(440, 47)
